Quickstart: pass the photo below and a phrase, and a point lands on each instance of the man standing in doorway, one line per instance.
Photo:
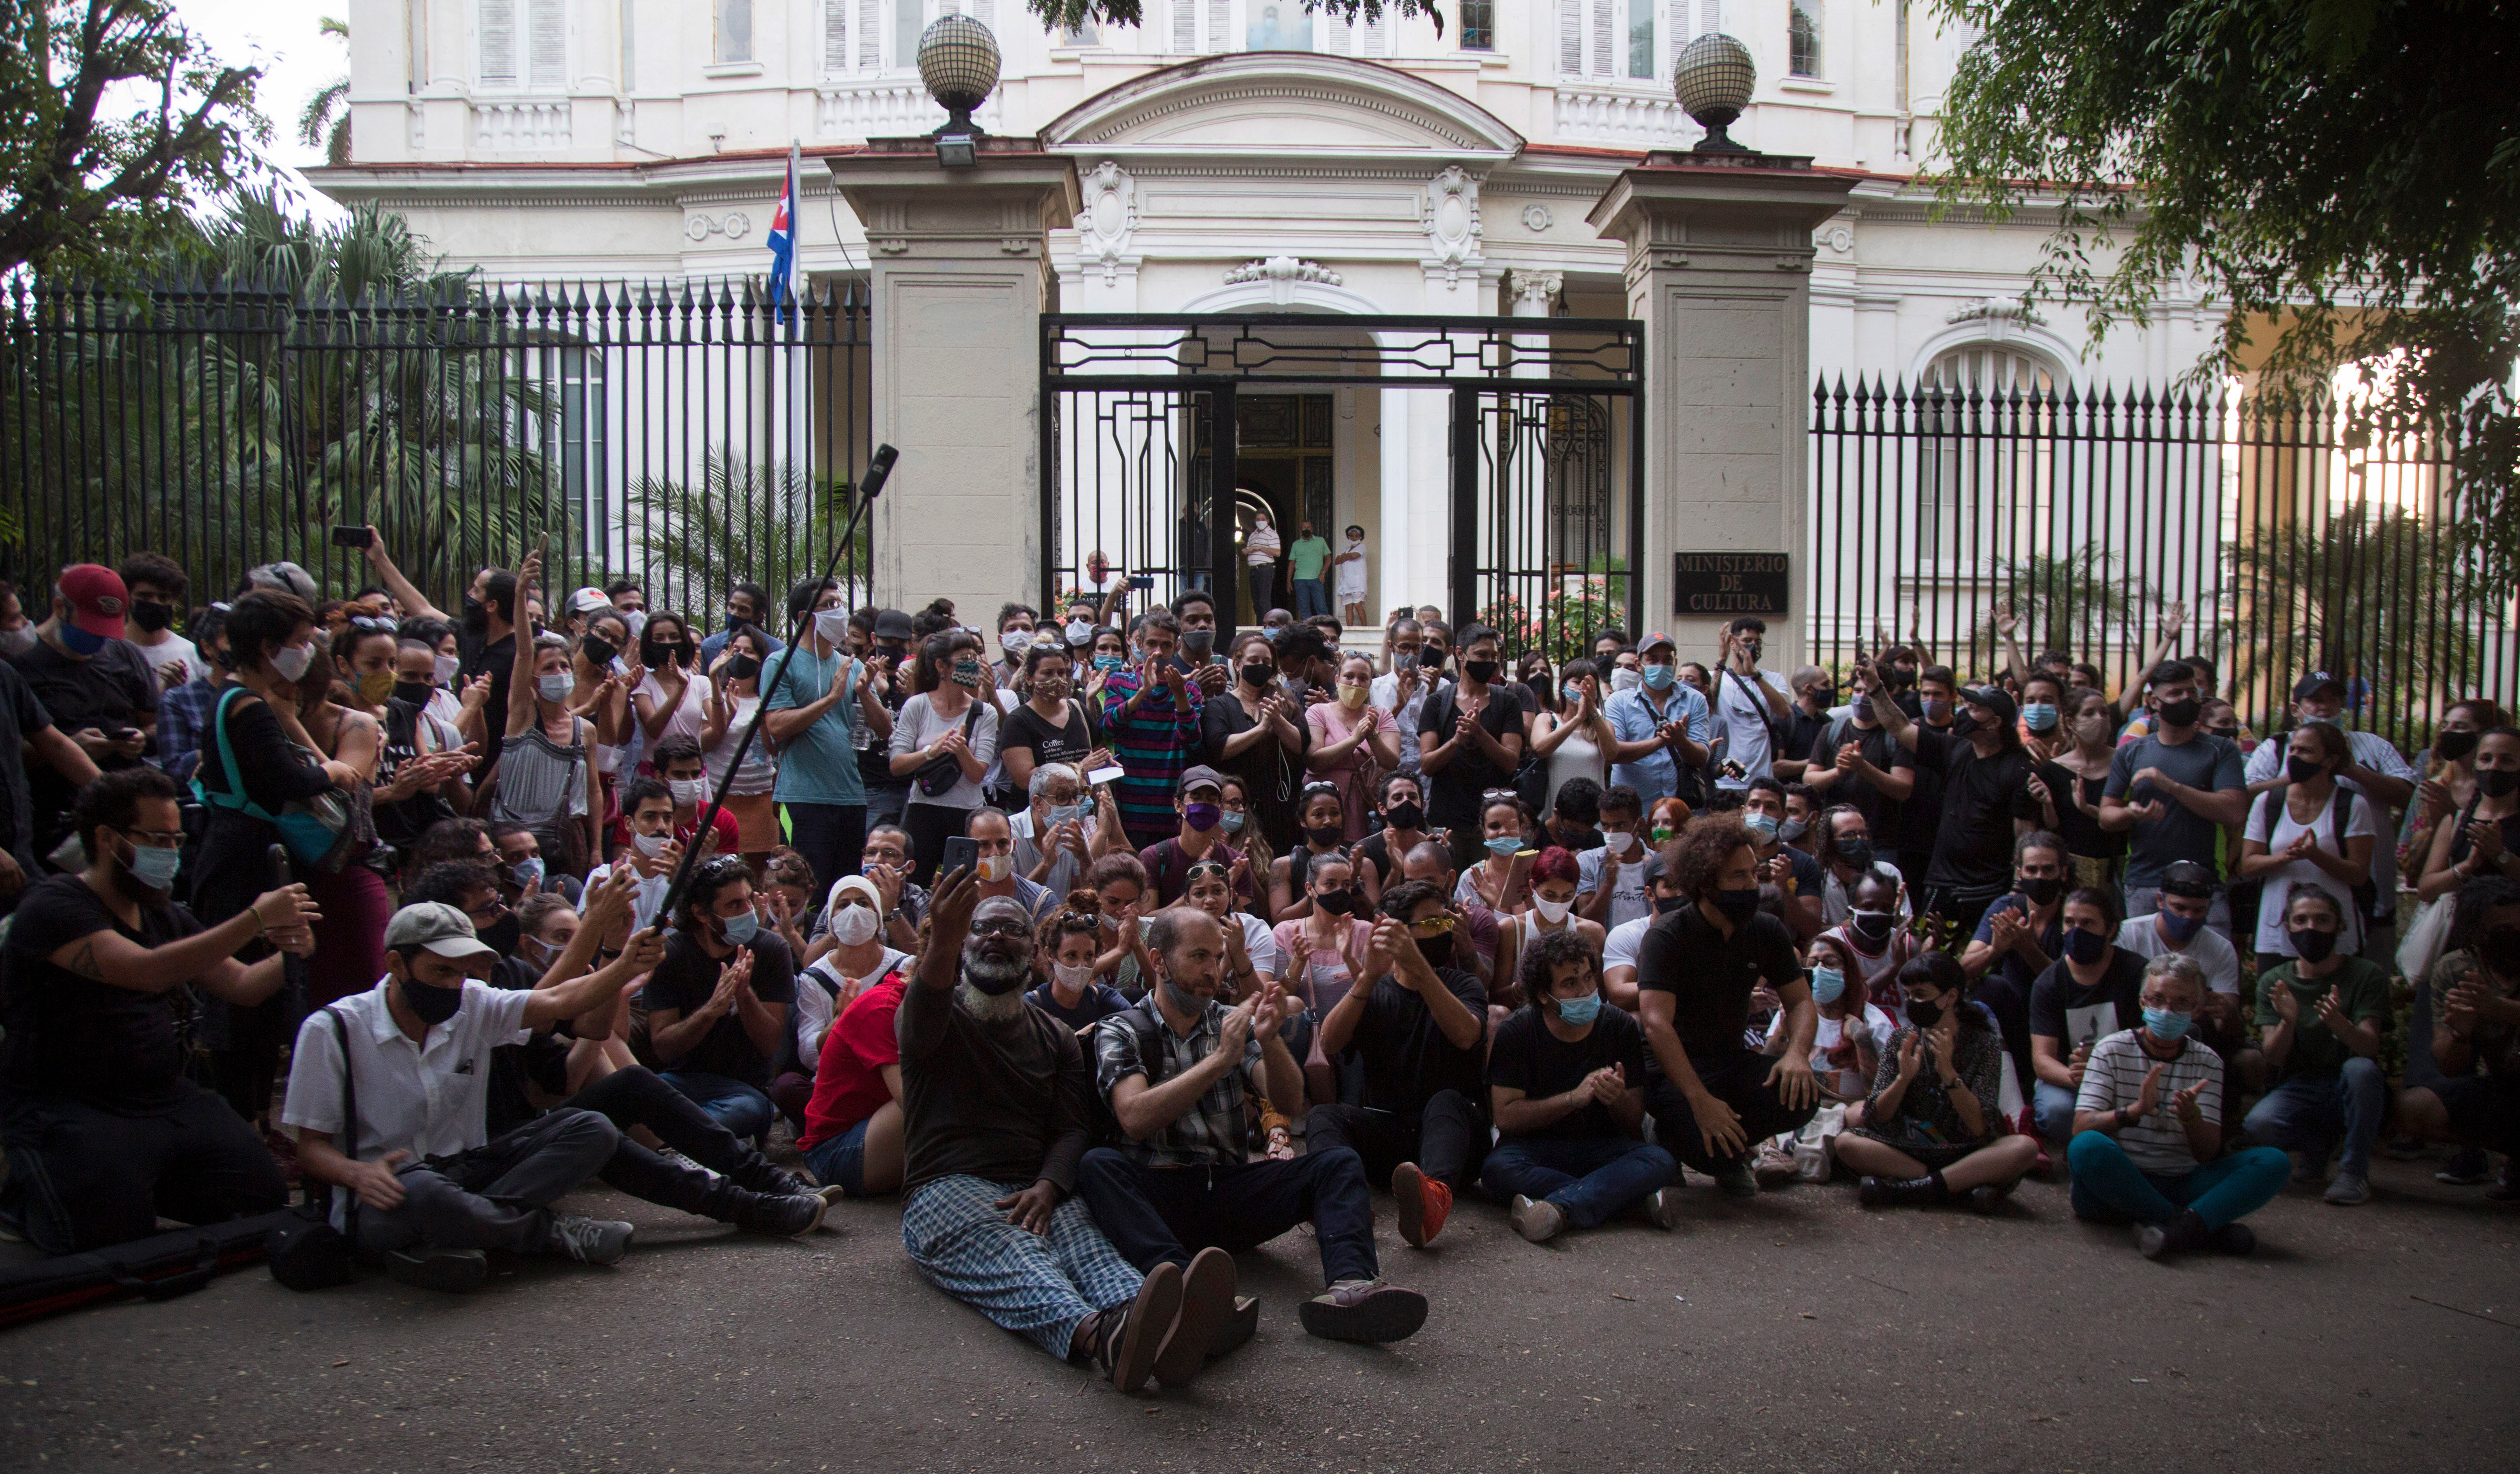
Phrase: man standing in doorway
(1260, 552)
(1308, 561)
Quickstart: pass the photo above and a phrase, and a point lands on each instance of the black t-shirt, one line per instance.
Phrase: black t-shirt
(1803, 731)
(1272, 777)
(1407, 1057)
(1884, 816)
(1527, 1058)
(402, 822)
(113, 688)
(2081, 831)
(76, 1037)
(1981, 798)
(1028, 728)
(1710, 976)
(687, 977)
(499, 662)
(22, 716)
(2065, 1010)
(1453, 796)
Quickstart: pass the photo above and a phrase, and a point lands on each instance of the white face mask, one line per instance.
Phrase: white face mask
(1014, 643)
(997, 868)
(637, 620)
(448, 668)
(1619, 842)
(833, 625)
(689, 790)
(291, 660)
(648, 845)
(1072, 978)
(854, 923)
(1624, 679)
(1552, 912)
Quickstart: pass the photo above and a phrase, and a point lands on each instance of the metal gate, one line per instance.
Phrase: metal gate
(1144, 417)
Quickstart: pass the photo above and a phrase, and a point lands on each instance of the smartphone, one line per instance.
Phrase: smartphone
(962, 851)
(1101, 775)
(1142, 580)
(353, 537)
(121, 733)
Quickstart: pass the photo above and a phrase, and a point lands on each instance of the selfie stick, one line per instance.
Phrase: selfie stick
(879, 469)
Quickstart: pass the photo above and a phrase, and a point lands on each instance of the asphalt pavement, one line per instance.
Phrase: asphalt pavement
(1795, 1332)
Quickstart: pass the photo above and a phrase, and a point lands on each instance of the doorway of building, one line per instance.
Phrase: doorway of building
(1283, 458)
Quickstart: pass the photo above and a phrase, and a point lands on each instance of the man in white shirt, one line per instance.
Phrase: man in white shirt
(1748, 707)
(1623, 858)
(2375, 769)
(1619, 947)
(423, 1185)
(1404, 691)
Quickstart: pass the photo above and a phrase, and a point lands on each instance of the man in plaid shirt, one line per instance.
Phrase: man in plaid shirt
(184, 711)
(1174, 1069)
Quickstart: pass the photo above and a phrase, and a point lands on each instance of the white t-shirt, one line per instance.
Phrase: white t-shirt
(1742, 718)
(2278, 885)
(173, 647)
(1351, 574)
(2208, 949)
(1620, 946)
(918, 724)
(647, 894)
(1851, 1083)
(1629, 899)
(2113, 1078)
(2370, 750)
(686, 719)
(1261, 940)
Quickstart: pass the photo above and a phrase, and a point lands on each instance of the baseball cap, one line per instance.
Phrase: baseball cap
(97, 598)
(891, 624)
(1202, 777)
(588, 601)
(2313, 684)
(1996, 699)
(2187, 878)
(437, 926)
(1654, 637)
(286, 578)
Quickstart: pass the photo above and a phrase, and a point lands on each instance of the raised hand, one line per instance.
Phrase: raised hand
(1911, 1056)
(2149, 1099)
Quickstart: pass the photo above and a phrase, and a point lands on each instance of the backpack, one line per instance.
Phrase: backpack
(2340, 813)
(1139, 1017)
(321, 832)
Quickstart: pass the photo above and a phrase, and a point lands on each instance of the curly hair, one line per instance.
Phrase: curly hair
(1701, 851)
(1077, 916)
(1541, 958)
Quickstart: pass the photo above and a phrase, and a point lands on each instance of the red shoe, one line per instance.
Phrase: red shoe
(1424, 1204)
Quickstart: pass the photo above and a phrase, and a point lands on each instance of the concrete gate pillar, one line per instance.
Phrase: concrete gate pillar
(1718, 270)
(960, 274)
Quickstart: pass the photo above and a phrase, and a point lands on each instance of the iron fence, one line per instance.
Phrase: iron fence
(682, 434)
(2094, 518)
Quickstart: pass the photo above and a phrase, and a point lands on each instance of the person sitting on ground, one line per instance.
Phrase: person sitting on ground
(1876, 941)
(988, 829)
(2021, 936)
(2147, 1144)
(1482, 928)
(2089, 993)
(1068, 941)
(1620, 946)
(1565, 1079)
(718, 1002)
(425, 1186)
(1419, 1030)
(2322, 1014)
(1320, 832)
(1931, 1132)
(995, 1103)
(854, 956)
(1842, 842)
(2476, 1025)
(1178, 1179)
(852, 1132)
(102, 1130)
(1847, 1046)
(1713, 1098)
(1200, 802)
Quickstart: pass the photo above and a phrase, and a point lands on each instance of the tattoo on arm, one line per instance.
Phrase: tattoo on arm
(84, 964)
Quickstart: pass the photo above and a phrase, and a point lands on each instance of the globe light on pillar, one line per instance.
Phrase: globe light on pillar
(958, 60)
(1712, 79)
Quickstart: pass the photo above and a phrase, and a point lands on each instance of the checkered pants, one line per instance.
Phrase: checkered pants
(1038, 1286)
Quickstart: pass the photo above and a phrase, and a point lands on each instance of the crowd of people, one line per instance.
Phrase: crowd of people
(1111, 943)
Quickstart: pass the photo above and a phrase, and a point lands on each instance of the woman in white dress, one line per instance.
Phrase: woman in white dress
(1577, 743)
(1350, 563)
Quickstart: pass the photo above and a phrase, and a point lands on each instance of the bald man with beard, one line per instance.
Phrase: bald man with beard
(996, 1106)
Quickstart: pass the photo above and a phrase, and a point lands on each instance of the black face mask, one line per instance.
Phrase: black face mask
(597, 650)
(2450, 746)
(743, 668)
(2312, 945)
(2500, 949)
(2085, 947)
(417, 692)
(1436, 949)
(1408, 814)
(1964, 723)
(1257, 675)
(2044, 891)
(433, 1005)
(659, 657)
(1925, 1014)
(1665, 905)
(501, 936)
(1339, 902)
(2302, 770)
(1430, 658)
(1325, 836)
(2181, 713)
(1481, 671)
(152, 616)
(1737, 906)
(1856, 851)
(2495, 782)
(477, 614)
(1873, 926)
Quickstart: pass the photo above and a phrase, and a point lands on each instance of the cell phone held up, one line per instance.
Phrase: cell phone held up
(962, 851)
(354, 537)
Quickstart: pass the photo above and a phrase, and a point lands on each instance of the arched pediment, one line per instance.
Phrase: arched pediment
(1273, 104)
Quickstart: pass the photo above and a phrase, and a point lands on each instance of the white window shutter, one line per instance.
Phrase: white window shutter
(1335, 35)
(1220, 14)
(1377, 34)
(1184, 27)
(1680, 33)
(499, 42)
(836, 37)
(1604, 33)
(1710, 15)
(546, 42)
(870, 35)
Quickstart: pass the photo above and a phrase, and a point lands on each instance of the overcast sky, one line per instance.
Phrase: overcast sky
(280, 37)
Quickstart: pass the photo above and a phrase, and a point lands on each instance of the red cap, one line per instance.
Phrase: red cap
(98, 599)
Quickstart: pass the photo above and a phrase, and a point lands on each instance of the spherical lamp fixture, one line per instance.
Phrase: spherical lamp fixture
(958, 60)
(1713, 79)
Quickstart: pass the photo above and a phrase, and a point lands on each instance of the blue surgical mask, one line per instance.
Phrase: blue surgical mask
(1660, 677)
(1571, 691)
(1762, 828)
(153, 866)
(2166, 1025)
(555, 688)
(1579, 1011)
(82, 643)
(1504, 844)
(1232, 823)
(1066, 813)
(1828, 984)
(527, 871)
(740, 927)
(2040, 716)
(1107, 663)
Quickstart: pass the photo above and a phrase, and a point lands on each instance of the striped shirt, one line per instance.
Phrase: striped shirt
(1154, 744)
(540, 782)
(2113, 1080)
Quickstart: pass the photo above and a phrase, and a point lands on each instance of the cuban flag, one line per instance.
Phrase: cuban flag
(782, 242)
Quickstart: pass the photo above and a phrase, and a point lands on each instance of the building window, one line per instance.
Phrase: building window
(734, 30)
(1478, 25)
(416, 46)
(1984, 415)
(906, 27)
(1802, 38)
(1087, 35)
(523, 43)
(1277, 25)
(1640, 38)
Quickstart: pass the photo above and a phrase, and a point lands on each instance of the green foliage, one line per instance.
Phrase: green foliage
(772, 522)
(2071, 601)
(1568, 618)
(2348, 170)
(325, 121)
(90, 190)
(1069, 15)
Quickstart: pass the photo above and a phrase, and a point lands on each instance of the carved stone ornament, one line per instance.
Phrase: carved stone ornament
(1991, 310)
(1449, 208)
(1282, 273)
(1109, 219)
(1537, 217)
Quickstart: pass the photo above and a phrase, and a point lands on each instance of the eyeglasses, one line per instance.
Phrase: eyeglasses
(163, 839)
(1000, 926)
(1431, 927)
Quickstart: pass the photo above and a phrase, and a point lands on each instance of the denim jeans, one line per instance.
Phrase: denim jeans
(842, 1159)
(2309, 1115)
(1592, 1179)
(1161, 1214)
(2052, 1107)
(2108, 1187)
(498, 1195)
(1312, 596)
(739, 1107)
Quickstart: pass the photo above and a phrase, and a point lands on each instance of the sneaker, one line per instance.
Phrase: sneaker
(790, 1217)
(1206, 1308)
(1734, 1177)
(1239, 1330)
(1894, 1192)
(1773, 1169)
(1124, 1348)
(830, 1194)
(1537, 1221)
(1984, 1200)
(1364, 1309)
(590, 1240)
(1424, 1204)
(2238, 1241)
(2349, 1190)
(451, 1270)
(2181, 1234)
(2465, 1168)
(1661, 1208)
